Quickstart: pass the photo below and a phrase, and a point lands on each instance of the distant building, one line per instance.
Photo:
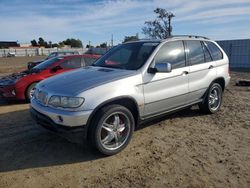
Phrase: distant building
(238, 52)
(25, 45)
(7, 44)
(66, 46)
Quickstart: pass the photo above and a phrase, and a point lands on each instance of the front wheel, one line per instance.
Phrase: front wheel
(112, 129)
(213, 99)
(30, 91)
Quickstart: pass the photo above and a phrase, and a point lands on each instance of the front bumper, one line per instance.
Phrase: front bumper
(59, 117)
(7, 92)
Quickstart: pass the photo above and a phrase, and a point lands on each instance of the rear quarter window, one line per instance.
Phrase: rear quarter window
(214, 51)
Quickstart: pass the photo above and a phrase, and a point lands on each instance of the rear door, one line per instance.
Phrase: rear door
(202, 69)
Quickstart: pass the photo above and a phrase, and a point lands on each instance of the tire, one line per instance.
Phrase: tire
(111, 129)
(213, 99)
(28, 93)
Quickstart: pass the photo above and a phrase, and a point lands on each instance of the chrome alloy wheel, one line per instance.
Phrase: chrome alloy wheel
(32, 91)
(214, 98)
(115, 130)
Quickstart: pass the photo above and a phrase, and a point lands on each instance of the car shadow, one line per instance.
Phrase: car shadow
(24, 145)
(8, 102)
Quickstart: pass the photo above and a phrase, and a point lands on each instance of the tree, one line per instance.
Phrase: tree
(89, 46)
(50, 44)
(161, 27)
(33, 43)
(103, 45)
(75, 43)
(55, 45)
(41, 42)
(131, 38)
(61, 44)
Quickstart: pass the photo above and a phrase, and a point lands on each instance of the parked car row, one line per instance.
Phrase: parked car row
(21, 85)
(51, 55)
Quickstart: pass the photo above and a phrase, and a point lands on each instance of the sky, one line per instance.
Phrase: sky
(97, 20)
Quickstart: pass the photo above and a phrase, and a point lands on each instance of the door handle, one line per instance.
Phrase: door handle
(211, 67)
(184, 72)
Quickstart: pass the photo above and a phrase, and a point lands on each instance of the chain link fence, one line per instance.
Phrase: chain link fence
(238, 52)
(47, 51)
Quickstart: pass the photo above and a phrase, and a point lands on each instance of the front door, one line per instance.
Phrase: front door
(166, 91)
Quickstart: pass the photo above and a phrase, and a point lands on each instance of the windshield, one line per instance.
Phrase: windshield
(47, 63)
(53, 54)
(130, 56)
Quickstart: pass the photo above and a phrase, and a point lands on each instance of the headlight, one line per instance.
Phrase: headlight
(65, 102)
(36, 93)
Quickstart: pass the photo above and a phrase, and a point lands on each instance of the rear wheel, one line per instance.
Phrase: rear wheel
(30, 91)
(213, 99)
(112, 129)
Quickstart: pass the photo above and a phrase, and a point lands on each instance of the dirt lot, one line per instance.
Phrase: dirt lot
(185, 149)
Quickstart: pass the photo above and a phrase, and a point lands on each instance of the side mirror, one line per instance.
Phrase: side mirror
(161, 67)
(56, 68)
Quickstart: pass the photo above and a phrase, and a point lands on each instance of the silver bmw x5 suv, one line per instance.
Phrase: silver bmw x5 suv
(131, 83)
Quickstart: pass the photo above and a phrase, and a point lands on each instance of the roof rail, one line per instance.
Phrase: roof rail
(172, 36)
(189, 36)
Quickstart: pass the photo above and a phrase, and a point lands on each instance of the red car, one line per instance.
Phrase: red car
(21, 86)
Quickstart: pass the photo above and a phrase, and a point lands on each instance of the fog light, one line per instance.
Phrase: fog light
(13, 92)
(60, 119)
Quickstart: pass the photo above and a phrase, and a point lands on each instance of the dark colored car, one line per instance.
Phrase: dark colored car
(21, 85)
(51, 55)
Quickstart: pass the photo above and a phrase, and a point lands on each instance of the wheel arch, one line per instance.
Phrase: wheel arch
(221, 81)
(27, 87)
(126, 101)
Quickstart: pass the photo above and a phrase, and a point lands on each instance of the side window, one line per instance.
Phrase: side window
(195, 52)
(88, 61)
(72, 63)
(208, 57)
(172, 52)
(215, 51)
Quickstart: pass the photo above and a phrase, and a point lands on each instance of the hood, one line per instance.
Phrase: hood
(11, 79)
(74, 82)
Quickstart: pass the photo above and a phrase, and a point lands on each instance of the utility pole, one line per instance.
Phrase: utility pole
(170, 16)
(89, 43)
(112, 40)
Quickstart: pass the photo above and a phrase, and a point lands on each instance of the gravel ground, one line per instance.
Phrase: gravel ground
(185, 149)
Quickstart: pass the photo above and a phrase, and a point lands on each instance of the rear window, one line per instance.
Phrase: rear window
(208, 57)
(196, 54)
(214, 51)
(47, 63)
(72, 63)
(87, 61)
